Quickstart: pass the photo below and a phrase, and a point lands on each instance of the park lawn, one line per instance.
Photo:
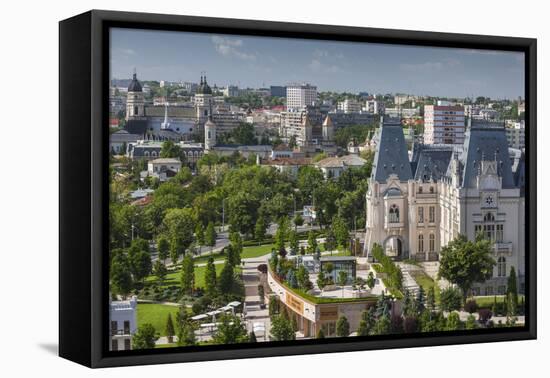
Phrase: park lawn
(199, 274)
(487, 301)
(159, 346)
(256, 251)
(423, 280)
(155, 314)
(204, 258)
(174, 277)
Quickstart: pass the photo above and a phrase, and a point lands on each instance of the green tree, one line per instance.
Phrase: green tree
(302, 275)
(179, 227)
(145, 337)
(342, 279)
(341, 232)
(450, 299)
(260, 229)
(464, 262)
(210, 236)
(184, 176)
(298, 221)
(470, 322)
(199, 235)
(281, 329)
(170, 150)
(363, 329)
(321, 280)
(512, 294)
(311, 242)
(187, 275)
(121, 277)
(226, 280)
(236, 248)
(210, 284)
(281, 233)
(159, 270)
(370, 280)
(342, 327)
(330, 240)
(186, 333)
(230, 330)
(453, 322)
(140, 259)
(320, 334)
(430, 298)
(293, 242)
(382, 325)
(163, 248)
(169, 330)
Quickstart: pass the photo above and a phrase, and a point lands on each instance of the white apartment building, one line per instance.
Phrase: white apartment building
(374, 107)
(349, 106)
(443, 124)
(298, 96)
(123, 323)
(515, 134)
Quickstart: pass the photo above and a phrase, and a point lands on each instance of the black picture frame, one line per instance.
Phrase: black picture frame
(83, 205)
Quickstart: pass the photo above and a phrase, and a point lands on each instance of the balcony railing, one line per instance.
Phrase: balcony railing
(502, 247)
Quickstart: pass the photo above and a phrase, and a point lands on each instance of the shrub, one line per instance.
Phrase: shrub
(470, 306)
(450, 299)
(410, 324)
(396, 324)
(484, 315)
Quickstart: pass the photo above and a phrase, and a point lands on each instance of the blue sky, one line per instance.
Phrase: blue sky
(340, 66)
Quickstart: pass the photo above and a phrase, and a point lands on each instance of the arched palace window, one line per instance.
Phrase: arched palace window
(501, 266)
(394, 214)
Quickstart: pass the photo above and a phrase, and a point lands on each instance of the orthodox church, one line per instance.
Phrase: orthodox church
(418, 201)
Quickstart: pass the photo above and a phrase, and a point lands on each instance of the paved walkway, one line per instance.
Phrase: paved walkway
(254, 315)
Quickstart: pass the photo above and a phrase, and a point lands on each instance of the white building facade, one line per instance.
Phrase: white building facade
(416, 207)
(298, 96)
(123, 323)
(444, 124)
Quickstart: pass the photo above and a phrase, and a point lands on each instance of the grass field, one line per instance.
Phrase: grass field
(256, 251)
(155, 314)
(487, 301)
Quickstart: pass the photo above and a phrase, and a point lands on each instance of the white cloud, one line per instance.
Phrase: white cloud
(430, 66)
(126, 51)
(230, 47)
(317, 66)
(318, 53)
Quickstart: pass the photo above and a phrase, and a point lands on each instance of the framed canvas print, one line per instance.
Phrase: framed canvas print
(235, 188)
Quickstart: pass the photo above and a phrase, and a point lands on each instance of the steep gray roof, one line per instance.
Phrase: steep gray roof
(486, 141)
(431, 162)
(391, 155)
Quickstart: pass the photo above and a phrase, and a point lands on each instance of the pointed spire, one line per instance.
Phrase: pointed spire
(306, 122)
(328, 121)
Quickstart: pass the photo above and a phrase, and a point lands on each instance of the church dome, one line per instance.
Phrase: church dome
(134, 86)
(204, 88)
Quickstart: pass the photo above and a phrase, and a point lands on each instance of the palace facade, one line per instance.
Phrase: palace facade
(419, 200)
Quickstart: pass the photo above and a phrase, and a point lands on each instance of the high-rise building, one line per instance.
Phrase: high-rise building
(443, 124)
(298, 96)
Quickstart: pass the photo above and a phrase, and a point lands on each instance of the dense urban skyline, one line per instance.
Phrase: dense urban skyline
(338, 66)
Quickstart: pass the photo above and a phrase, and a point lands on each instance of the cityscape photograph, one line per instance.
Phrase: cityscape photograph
(269, 189)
